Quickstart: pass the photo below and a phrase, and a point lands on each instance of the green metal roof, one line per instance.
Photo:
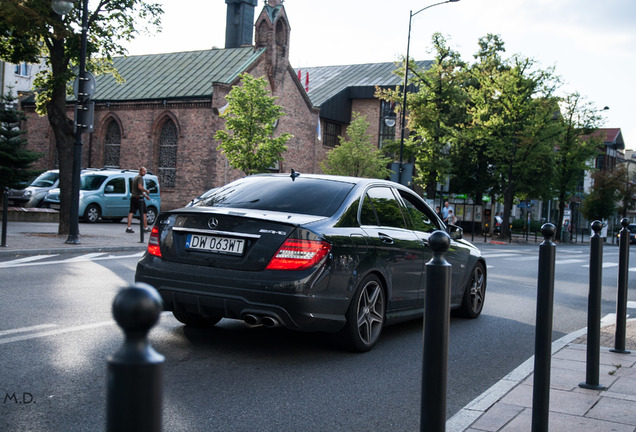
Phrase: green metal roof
(189, 74)
(325, 82)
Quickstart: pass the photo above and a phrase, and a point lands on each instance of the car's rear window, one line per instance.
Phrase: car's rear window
(92, 181)
(311, 196)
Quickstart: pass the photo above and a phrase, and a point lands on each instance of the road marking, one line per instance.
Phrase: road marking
(605, 265)
(499, 255)
(569, 261)
(55, 332)
(15, 263)
(25, 260)
(86, 257)
(631, 304)
(522, 258)
(26, 329)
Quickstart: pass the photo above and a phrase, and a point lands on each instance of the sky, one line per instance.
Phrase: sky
(590, 43)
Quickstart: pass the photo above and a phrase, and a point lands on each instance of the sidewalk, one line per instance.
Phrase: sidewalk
(505, 407)
(31, 238)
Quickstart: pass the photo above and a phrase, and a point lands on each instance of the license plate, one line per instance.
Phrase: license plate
(226, 245)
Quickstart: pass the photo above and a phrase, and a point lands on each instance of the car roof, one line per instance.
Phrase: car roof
(347, 179)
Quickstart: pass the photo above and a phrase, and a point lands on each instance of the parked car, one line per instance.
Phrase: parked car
(33, 195)
(319, 253)
(105, 194)
(632, 233)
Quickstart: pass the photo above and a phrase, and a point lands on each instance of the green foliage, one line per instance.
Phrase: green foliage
(251, 117)
(357, 156)
(601, 202)
(30, 31)
(14, 159)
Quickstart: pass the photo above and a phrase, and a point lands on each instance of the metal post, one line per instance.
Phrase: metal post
(5, 216)
(621, 298)
(82, 100)
(543, 337)
(141, 219)
(134, 372)
(594, 310)
(436, 324)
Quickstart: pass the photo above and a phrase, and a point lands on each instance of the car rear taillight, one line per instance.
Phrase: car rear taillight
(153, 242)
(299, 254)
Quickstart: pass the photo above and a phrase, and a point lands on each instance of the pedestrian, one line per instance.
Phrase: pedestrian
(438, 211)
(137, 203)
(445, 210)
(450, 219)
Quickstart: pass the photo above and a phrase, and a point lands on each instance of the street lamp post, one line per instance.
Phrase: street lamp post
(62, 7)
(406, 81)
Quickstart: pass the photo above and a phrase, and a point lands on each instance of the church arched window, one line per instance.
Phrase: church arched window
(168, 154)
(112, 144)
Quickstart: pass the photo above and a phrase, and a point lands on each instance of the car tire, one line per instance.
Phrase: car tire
(151, 215)
(365, 316)
(195, 320)
(474, 293)
(92, 213)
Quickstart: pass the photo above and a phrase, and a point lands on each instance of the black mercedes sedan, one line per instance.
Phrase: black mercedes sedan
(309, 252)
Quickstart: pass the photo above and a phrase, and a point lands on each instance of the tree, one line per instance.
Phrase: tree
(434, 111)
(31, 31)
(602, 200)
(14, 158)
(357, 156)
(576, 147)
(512, 110)
(252, 116)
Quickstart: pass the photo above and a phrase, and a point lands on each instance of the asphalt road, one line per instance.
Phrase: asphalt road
(56, 333)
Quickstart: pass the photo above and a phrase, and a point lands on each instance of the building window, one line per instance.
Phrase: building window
(387, 122)
(112, 144)
(168, 154)
(22, 69)
(331, 133)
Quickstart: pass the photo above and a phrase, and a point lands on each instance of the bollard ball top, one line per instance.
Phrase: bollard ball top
(624, 222)
(597, 226)
(439, 241)
(137, 308)
(548, 230)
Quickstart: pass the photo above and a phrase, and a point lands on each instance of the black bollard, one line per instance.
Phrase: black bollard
(141, 221)
(5, 216)
(436, 324)
(134, 372)
(543, 337)
(594, 310)
(621, 298)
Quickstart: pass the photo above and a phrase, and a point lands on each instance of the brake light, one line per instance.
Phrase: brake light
(299, 254)
(153, 242)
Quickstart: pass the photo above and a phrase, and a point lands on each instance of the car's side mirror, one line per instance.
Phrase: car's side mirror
(455, 232)
(110, 189)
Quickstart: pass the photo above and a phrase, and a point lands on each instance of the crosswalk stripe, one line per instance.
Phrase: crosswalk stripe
(25, 260)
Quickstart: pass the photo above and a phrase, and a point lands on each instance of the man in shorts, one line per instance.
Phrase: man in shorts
(137, 196)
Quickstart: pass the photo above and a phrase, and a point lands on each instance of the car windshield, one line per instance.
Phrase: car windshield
(92, 182)
(631, 228)
(46, 179)
(318, 197)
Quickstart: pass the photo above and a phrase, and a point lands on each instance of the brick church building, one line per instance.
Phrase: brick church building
(166, 112)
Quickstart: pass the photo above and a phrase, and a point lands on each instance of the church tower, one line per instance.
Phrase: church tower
(239, 26)
(272, 32)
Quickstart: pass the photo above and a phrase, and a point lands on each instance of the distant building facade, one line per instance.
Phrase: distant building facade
(166, 113)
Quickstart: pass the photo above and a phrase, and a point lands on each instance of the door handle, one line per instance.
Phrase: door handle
(385, 238)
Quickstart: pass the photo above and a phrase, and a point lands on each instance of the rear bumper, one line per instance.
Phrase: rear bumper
(305, 302)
